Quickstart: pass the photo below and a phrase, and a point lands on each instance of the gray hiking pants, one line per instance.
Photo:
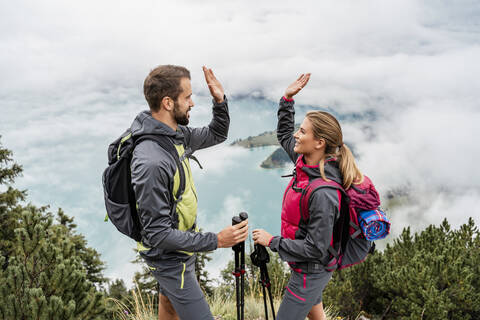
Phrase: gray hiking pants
(302, 292)
(179, 284)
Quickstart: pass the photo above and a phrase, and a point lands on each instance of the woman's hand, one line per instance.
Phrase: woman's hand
(297, 85)
(261, 236)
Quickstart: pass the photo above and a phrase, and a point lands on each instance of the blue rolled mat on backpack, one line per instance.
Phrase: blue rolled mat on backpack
(374, 224)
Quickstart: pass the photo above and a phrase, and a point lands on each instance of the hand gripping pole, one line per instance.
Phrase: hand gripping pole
(239, 272)
(260, 258)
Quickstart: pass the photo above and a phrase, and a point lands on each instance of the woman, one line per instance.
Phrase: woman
(318, 150)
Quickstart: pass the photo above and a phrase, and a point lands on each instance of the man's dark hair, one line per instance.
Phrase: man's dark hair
(163, 81)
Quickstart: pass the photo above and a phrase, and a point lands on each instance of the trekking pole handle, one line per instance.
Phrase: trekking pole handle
(243, 216)
(236, 220)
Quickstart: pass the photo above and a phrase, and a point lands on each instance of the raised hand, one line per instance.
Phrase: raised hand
(215, 87)
(297, 85)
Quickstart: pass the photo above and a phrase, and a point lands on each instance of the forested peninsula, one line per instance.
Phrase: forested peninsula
(277, 159)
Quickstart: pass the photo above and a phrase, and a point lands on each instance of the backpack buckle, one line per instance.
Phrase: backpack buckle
(297, 189)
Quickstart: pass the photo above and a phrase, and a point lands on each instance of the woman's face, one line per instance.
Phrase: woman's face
(305, 142)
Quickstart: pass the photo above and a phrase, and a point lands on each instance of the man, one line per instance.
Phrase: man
(169, 241)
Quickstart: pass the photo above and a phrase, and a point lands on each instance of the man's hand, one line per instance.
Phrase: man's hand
(297, 85)
(261, 236)
(215, 87)
(232, 235)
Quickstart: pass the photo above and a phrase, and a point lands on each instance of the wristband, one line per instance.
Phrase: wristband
(269, 242)
(288, 100)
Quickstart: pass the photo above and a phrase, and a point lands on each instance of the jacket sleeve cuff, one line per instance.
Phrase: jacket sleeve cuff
(269, 242)
(215, 244)
(286, 104)
(220, 104)
(287, 100)
(274, 243)
(209, 242)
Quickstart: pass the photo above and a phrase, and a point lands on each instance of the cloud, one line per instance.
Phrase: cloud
(72, 78)
(231, 203)
(117, 43)
(214, 160)
(432, 208)
(428, 148)
(119, 258)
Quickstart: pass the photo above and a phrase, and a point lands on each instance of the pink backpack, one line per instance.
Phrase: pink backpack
(348, 245)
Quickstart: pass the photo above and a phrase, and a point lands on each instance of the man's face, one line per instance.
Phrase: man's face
(181, 109)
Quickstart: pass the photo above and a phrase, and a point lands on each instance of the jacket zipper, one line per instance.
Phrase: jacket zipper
(285, 195)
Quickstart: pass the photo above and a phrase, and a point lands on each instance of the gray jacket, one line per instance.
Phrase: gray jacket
(312, 239)
(153, 170)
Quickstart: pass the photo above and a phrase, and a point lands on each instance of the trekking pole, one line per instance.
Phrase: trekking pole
(264, 293)
(269, 288)
(236, 249)
(260, 258)
(158, 293)
(239, 271)
(243, 216)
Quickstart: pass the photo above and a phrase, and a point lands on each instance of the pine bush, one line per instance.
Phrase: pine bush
(45, 278)
(46, 269)
(434, 274)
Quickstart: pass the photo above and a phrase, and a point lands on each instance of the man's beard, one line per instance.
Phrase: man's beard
(180, 118)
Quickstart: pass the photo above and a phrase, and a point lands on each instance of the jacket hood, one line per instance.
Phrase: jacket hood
(144, 123)
(331, 169)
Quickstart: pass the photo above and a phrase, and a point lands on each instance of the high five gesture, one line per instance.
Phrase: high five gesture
(297, 85)
(215, 87)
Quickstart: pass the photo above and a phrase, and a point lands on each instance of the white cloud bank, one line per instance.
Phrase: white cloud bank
(72, 73)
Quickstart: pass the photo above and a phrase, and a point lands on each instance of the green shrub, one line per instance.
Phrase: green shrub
(47, 271)
(431, 275)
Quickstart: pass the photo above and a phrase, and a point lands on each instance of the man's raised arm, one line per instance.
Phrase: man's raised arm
(217, 131)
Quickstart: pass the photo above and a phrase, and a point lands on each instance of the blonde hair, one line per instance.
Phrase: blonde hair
(326, 127)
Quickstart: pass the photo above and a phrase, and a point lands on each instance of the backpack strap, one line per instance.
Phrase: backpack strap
(340, 228)
(167, 144)
(312, 187)
(189, 154)
(357, 229)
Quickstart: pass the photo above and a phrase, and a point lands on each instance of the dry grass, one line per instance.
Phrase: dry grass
(226, 309)
(222, 307)
(142, 310)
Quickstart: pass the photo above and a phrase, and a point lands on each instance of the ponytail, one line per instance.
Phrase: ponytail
(326, 126)
(350, 172)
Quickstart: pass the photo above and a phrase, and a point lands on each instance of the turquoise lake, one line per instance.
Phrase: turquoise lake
(63, 153)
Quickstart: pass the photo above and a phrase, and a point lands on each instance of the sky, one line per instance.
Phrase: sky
(71, 77)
